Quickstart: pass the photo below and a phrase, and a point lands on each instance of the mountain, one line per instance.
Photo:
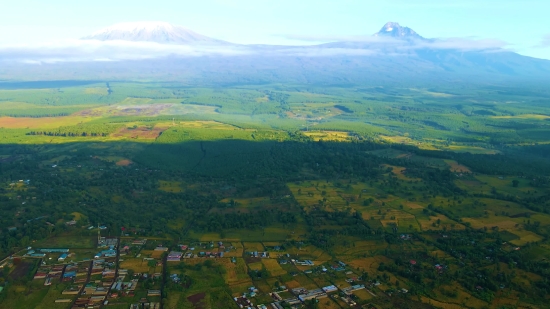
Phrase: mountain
(158, 32)
(394, 30)
(395, 54)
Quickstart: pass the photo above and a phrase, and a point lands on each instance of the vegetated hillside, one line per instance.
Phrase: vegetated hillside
(423, 67)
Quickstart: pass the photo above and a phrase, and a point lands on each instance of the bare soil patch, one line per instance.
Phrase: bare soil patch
(251, 260)
(139, 132)
(21, 270)
(197, 300)
(124, 163)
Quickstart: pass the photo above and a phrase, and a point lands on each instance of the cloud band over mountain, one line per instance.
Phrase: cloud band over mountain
(151, 40)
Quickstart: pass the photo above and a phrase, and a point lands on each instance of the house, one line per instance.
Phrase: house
(330, 288)
(70, 274)
(54, 250)
(40, 275)
(174, 256)
(153, 293)
(62, 257)
(109, 253)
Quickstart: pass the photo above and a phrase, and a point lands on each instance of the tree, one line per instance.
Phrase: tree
(515, 183)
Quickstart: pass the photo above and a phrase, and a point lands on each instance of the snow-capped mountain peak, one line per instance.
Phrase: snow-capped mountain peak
(395, 30)
(151, 31)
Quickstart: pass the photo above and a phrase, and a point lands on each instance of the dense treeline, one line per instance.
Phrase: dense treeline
(93, 130)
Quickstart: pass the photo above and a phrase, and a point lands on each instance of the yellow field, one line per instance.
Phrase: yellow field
(327, 303)
(439, 304)
(524, 237)
(248, 202)
(363, 294)
(432, 93)
(426, 224)
(238, 288)
(408, 141)
(124, 162)
(456, 167)
(273, 267)
(174, 299)
(413, 205)
(472, 149)
(170, 186)
(292, 284)
(255, 266)
(253, 246)
(235, 272)
(42, 123)
(77, 215)
(311, 252)
(398, 171)
(524, 116)
(206, 124)
(137, 265)
(97, 90)
(176, 224)
(262, 99)
(361, 247)
(328, 136)
(503, 223)
(369, 264)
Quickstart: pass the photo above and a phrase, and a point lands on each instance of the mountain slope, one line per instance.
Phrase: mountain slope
(158, 32)
(394, 54)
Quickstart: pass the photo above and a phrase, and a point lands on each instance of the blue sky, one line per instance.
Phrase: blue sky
(522, 25)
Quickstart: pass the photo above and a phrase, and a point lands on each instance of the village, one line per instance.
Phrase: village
(131, 272)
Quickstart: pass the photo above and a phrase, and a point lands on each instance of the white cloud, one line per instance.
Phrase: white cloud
(545, 42)
(93, 50)
(342, 38)
(464, 44)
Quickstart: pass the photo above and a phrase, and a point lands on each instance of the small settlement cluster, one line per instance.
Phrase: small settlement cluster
(94, 282)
